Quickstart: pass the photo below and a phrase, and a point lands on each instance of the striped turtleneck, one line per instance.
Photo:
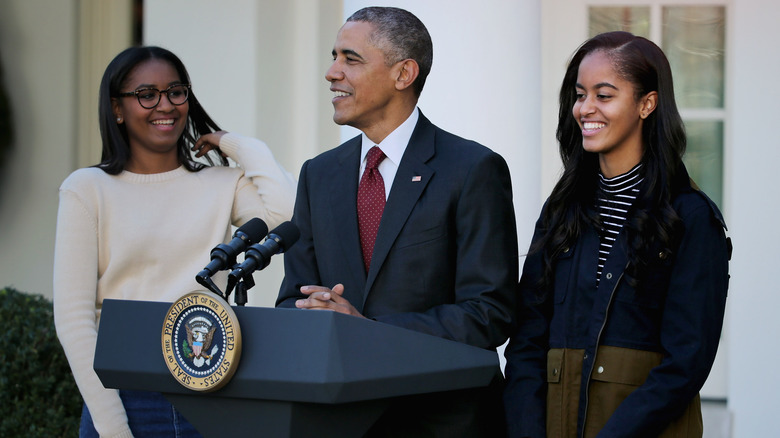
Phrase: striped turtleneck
(613, 200)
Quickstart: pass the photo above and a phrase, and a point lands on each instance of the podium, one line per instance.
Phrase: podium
(301, 373)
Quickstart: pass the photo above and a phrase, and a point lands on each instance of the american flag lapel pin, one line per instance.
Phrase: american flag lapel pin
(417, 178)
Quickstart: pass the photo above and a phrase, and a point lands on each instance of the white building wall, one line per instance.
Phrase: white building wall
(219, 46)
(752, 215)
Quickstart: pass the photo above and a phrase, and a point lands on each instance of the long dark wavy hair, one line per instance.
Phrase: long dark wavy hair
(116, 148)
(570, 207)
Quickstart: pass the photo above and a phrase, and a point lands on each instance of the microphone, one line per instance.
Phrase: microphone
(258, 256)
(224, 255)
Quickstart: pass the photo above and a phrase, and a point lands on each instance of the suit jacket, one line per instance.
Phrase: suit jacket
(445, 260)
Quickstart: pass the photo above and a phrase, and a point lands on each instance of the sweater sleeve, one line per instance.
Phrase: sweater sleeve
(75, 312)
(266, 188)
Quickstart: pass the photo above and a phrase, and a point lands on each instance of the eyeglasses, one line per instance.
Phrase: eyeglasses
(150, 97)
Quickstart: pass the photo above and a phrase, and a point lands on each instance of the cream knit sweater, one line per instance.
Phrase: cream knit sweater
(144, 237)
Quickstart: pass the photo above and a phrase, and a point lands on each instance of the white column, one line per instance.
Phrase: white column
(752, 215)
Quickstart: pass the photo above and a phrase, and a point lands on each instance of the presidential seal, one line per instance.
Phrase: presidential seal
(201, 341)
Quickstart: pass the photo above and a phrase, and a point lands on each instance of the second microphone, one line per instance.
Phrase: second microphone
(258, 256)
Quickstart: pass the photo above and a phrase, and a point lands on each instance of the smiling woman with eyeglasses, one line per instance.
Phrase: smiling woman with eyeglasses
(140, 224)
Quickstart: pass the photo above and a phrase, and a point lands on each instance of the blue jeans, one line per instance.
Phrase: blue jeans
(149, 415)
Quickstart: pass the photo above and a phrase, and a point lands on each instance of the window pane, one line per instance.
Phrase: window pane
(704, 157)
(694, 41)
(605, 19)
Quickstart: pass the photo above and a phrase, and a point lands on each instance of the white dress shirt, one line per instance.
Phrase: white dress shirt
(393, 146)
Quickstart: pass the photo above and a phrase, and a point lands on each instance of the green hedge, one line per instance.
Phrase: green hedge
(38, 396)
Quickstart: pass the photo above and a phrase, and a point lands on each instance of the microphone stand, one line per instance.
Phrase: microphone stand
(208, 283)
(243, 285)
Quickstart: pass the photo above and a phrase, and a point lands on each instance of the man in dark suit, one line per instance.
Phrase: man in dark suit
(444, 259)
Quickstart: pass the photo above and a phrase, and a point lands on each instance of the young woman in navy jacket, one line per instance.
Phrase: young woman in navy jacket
(624, 286)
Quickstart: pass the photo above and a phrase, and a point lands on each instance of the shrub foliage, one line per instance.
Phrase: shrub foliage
(38, 396)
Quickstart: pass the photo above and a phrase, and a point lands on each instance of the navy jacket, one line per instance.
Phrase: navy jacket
(679, 314)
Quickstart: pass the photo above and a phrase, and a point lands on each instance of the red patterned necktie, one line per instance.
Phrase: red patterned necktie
(370, 203)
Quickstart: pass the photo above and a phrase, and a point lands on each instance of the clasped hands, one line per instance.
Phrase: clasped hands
(323, 298)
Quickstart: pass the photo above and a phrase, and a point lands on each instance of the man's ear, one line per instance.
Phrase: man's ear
(406, 72)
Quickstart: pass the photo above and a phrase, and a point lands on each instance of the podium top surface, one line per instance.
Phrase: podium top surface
(295, 355)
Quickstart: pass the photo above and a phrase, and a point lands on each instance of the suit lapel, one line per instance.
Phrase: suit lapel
(412, 177)
(343, 214)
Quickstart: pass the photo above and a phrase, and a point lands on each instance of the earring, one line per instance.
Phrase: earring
(119, 120)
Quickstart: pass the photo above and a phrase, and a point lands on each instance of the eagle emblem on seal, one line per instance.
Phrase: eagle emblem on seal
(200, 331)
